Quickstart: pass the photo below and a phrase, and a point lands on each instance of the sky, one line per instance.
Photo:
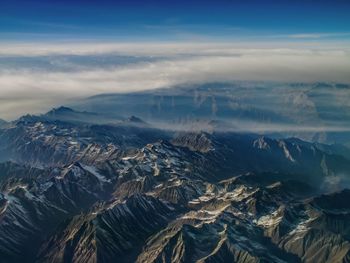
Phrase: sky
(169, 20)
(52, 52)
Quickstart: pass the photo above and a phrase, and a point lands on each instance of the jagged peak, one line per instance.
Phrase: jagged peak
(195, 141)
(261, 143)
(28, 118)
(135, 119)
(60, 110)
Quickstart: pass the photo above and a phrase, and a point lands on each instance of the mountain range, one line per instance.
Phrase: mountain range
(87, 186)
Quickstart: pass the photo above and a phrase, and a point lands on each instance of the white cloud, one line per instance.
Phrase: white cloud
(318, 35)
(27, 89)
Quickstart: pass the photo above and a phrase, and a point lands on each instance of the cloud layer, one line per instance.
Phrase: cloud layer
(36, 77)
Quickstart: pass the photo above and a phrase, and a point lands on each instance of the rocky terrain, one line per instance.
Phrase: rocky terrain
(121, 190)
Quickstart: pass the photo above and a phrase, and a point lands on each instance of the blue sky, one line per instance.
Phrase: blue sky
(172, 20)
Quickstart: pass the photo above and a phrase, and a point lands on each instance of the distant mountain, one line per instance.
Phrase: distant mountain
(70, 115)
(315, 112)
(336, 149)
(42, 142)
(134, 119)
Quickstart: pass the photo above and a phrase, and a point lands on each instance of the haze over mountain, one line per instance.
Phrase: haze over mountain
(312, 111)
